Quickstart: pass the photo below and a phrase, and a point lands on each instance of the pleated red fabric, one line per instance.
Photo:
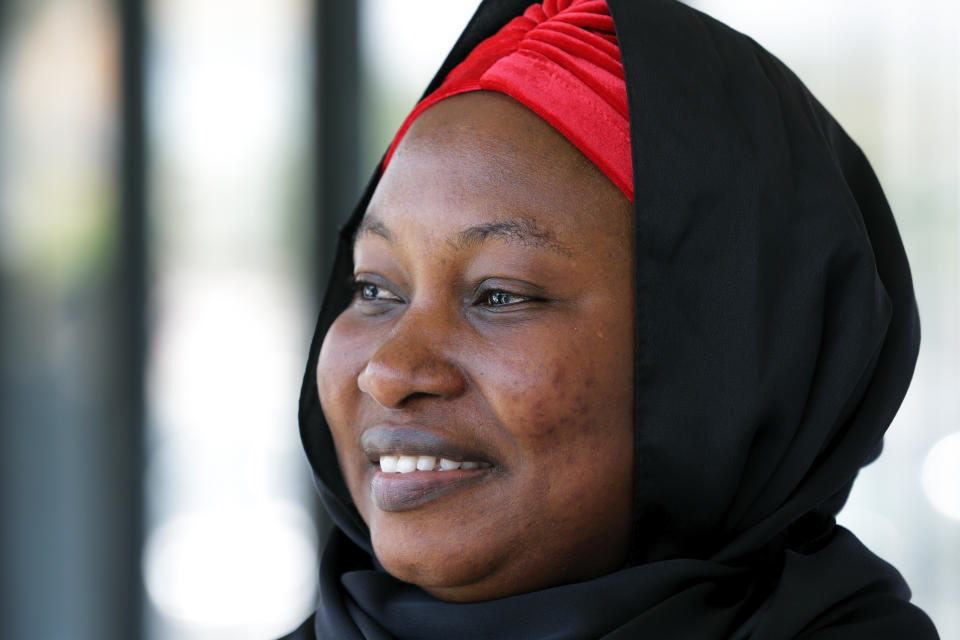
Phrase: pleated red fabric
(561, 60)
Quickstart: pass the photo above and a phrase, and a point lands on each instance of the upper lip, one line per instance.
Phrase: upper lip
(385, 440)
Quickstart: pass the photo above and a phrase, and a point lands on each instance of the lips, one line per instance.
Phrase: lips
(412, 467)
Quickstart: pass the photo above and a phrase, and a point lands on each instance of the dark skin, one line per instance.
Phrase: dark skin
(494, 310)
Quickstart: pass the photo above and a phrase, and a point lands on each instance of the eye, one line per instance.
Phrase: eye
(367, 291)
(371, 291)
(495, 298)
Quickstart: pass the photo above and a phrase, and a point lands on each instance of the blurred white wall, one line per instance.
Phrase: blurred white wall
(230, 549)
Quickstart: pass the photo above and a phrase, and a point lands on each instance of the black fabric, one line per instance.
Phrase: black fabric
(776, 335)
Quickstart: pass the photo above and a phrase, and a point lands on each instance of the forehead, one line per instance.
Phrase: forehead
(484, 159)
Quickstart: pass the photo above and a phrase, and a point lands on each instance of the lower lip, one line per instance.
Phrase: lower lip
(404, 491)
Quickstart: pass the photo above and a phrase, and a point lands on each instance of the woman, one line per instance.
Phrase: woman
(628, 311)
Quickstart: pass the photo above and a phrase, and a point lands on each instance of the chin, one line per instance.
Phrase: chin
(453, 569)
(443, 570)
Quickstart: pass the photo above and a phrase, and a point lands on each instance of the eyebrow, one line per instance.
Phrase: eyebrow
(372, 225)
(522, 231)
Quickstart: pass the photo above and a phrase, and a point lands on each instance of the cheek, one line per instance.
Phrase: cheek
(567, 407)
(342, 357)
(337, 368)
(547, 392)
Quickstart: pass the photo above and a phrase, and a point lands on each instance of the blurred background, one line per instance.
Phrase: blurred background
(172, 173)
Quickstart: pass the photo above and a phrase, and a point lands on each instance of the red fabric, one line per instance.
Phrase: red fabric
(560, 59)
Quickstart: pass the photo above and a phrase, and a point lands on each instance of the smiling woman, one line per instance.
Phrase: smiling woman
(477, 336)
(628, 313)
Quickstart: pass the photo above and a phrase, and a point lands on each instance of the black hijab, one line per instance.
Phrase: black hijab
(776, 335)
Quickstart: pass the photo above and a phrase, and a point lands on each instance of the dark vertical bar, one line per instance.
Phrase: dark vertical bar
(7, 503)
(336, 92)
(128, 423)
(335, 141)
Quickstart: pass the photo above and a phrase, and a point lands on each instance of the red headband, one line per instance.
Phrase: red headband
(560, 59)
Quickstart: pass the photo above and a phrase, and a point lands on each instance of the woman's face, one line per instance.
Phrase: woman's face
(492, 327)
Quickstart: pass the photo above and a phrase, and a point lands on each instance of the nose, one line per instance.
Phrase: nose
(411, 363)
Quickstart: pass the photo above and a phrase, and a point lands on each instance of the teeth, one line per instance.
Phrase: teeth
(388, 464)
(407, 464)
(426, 463)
